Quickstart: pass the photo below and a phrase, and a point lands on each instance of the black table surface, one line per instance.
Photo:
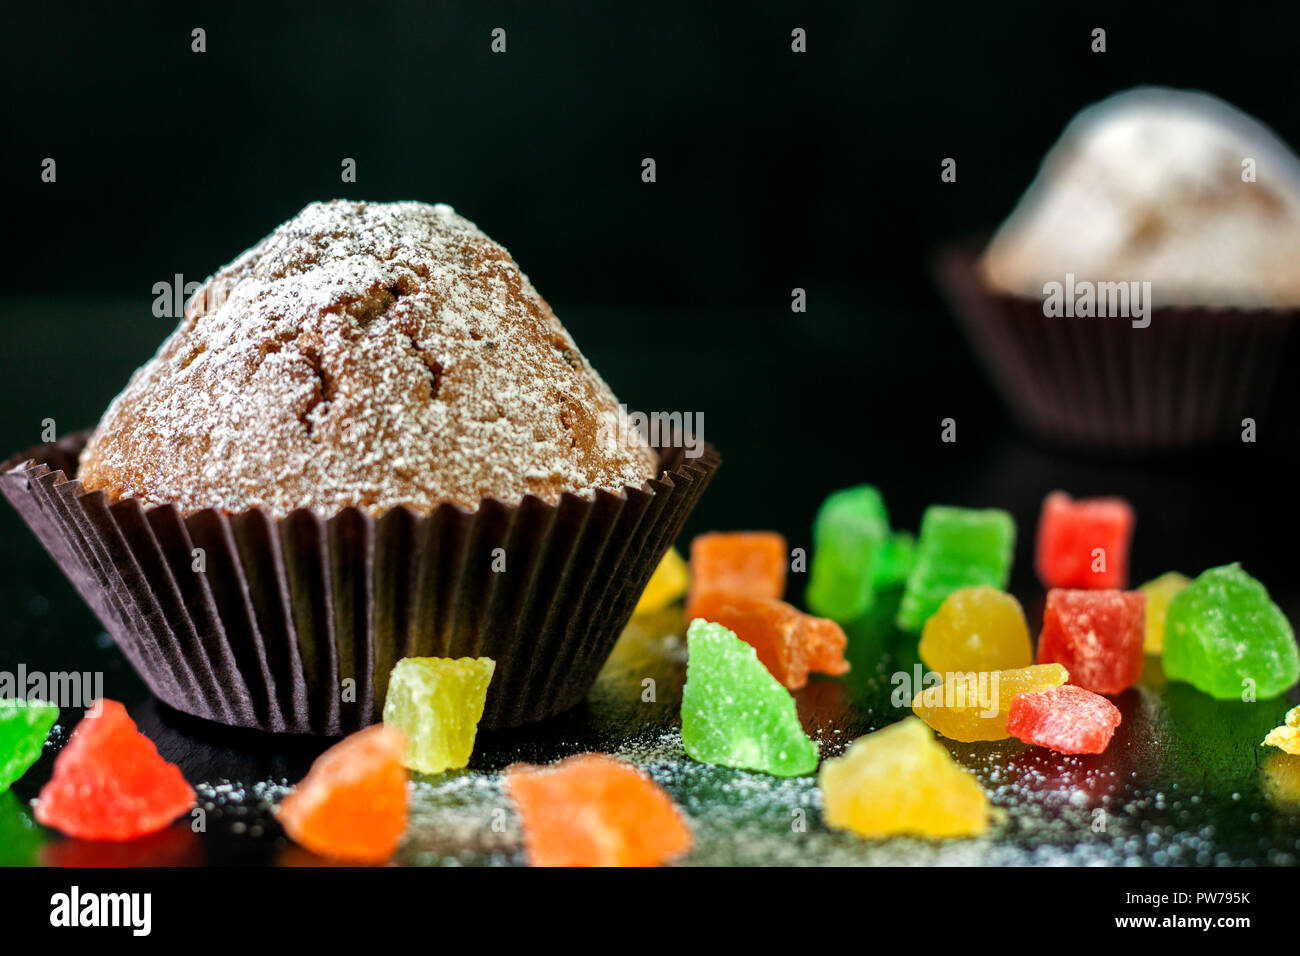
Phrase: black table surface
(1185, 780)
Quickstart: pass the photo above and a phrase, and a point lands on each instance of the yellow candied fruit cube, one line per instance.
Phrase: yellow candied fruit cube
(667, 584)
(901, 780)
(1287, 736)
(976, 629)
(1280, 780)
(974, 705)
(1159, 593)
(437, 703)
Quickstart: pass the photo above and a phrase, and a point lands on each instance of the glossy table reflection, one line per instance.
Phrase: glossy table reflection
(1184, 781)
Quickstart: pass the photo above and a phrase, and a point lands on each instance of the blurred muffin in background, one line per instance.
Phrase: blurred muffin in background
(1143, 291)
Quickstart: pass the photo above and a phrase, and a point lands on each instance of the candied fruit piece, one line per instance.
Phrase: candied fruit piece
(110, 783)
(1287, 736)
(825, 642)
(436, 702)
(24, 725)
(1097, 635)
(789, 642)
(1223, 635)
(974, 706)
(901, 780)
(849, 536)
(976, 629)
(1279, 779)
(1084, 543)
(734, 712)
(352, 803)
(958, 548)
(1159, 593)
(1066, 719)
(593, 810)
(896, 560)
(746, 563)
(666, 585)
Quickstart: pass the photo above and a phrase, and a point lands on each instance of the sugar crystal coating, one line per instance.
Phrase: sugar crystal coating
(367, 354)
(352, 804)
(437, 702)
(976, 629)
(1067, 719)
(901, 780)
(957, 548)
(109, 781)
(593, 810)
(734, 712)
(1226, 637)
(24, 725)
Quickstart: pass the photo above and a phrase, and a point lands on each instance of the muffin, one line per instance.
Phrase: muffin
(369, 438)
(1142, 293)
(365, 355)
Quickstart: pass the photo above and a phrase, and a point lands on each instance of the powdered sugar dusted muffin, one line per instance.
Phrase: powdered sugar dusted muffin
(368, 439)
(1143, 293)
(1173, 187)
(367, 354)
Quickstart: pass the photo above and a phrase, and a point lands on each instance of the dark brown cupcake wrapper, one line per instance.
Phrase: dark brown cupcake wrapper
(1189, 378)
(289, 610)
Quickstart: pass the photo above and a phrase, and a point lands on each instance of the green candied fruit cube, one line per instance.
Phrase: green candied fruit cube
(849, 533)
(24, 725)
(957, 548)
(734, 712)
(896, 560)
(437, 703)
(1223, 631)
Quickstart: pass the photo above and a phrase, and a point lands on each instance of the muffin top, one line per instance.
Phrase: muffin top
(367, 354)
(1148, 186)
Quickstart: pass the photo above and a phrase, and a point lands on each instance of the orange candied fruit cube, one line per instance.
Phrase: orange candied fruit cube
(352, 803)
(825, 641)
(747, 563)
(789, 642)
(593, 810)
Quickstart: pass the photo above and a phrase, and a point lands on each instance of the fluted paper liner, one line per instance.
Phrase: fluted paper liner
(295, 623)
(1189, 378)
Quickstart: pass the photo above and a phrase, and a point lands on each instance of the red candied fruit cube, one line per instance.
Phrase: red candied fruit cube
(745, 563)
(1096, 635)
(110, 783)
(789, 642)
(1084, 543)
(1067, 719)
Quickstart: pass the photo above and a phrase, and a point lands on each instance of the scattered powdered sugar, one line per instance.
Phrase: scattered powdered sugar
(372, 355)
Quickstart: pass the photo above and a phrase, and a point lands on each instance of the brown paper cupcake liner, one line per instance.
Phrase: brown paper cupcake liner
(294, 624)
(1189, 378)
